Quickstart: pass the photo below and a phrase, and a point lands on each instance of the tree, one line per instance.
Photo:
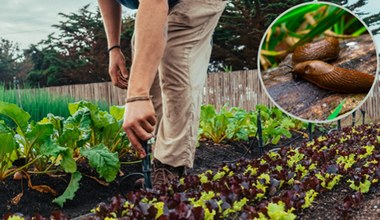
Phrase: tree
(10, 57)
(78, 53)
(240, 29)
(48, 65)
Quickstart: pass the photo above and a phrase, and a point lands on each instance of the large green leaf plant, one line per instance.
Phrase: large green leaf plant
(55, 144)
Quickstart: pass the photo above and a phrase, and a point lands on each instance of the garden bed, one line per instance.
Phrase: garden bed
(209, 156)
(335, 176)
(77, 165)
(91, 192)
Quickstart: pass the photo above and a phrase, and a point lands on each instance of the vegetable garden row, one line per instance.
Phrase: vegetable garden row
(277, 185)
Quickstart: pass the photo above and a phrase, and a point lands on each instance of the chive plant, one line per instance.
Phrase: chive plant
(38, 102)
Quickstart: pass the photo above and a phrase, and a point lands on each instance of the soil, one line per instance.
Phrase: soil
(208, 156)
(90, 193)
(329, 204)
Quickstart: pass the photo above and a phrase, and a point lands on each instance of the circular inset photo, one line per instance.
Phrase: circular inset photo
(318, 62)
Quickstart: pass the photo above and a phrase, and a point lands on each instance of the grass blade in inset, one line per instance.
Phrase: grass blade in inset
(336, 111)
(321, 27)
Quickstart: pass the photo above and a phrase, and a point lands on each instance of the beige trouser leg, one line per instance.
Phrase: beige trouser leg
(182, 75)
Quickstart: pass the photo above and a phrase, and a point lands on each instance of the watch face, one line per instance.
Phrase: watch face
(318, 62)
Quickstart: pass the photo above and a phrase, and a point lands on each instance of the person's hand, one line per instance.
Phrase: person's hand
(117, 69)
(139, 122)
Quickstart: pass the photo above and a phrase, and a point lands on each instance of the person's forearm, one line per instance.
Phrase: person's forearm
(111, 14)
(150, 42)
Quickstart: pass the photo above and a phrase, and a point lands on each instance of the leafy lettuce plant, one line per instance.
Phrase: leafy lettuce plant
(277, 211)
(277, 185)
(276, 125)
(362, 187)
(237, 124)
(223, 125)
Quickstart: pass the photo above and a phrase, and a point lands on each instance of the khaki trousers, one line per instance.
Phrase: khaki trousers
(178, 86)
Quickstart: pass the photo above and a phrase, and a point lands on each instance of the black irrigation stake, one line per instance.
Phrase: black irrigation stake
(353, 118)
(309, 130)
(147, 166)
(260, 133)
(339, 125)
(133, 181)
(363, 114)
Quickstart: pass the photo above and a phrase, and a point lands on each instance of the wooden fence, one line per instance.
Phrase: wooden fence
(372, 105)
(240, 88)
(93, 91)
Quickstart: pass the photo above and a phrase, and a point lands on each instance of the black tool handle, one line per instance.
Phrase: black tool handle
(147, 166)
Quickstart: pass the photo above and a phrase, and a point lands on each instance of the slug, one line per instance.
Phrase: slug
(325, 49)
(334, 78)
(308, 63)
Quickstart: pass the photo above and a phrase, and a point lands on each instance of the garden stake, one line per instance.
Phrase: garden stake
(363, 114)
(147, 166)
(353, 118)
(339, 125)
(309, 130)
(133, 181)
(260, 133)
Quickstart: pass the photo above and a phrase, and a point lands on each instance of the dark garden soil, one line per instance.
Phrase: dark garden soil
(329, 206)
(208, 156)
(91, 192)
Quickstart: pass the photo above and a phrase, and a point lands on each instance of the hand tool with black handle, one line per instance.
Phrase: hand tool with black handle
(134, 181)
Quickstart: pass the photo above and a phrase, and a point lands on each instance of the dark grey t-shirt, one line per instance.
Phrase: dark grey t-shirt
(134, 4)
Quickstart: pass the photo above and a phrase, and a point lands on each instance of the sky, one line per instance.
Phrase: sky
(29, 21)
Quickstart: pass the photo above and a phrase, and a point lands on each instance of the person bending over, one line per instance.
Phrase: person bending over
(171, 52)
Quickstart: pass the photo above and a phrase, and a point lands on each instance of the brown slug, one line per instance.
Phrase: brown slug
(325, 49)
(334, 78)
(308, 64)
